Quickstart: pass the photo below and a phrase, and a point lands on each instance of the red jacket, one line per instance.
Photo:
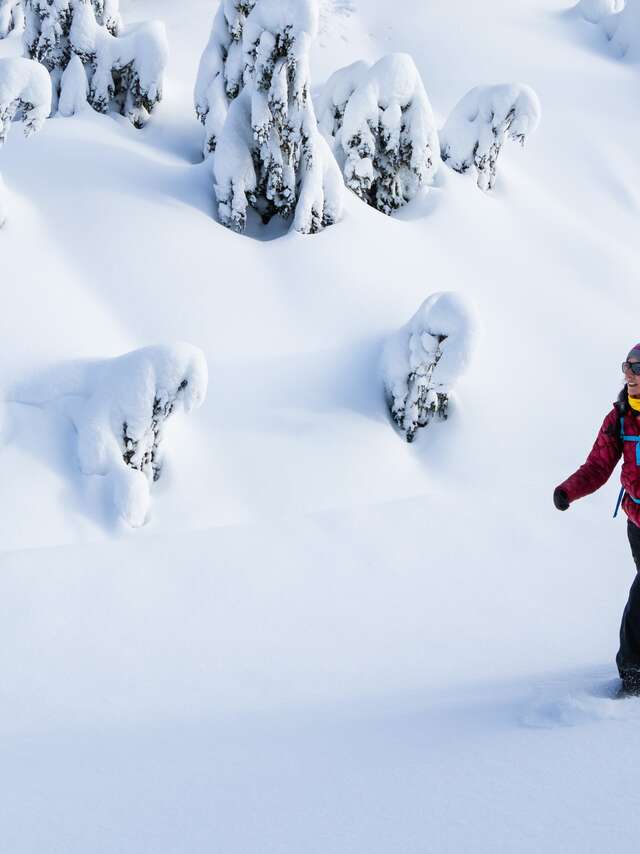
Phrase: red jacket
(604, 456)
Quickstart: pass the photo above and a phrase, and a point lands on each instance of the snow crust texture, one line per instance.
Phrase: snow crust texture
(122, 68)
(119, 408)
(253, 97)
(423, 360)
(480, 123)
(379, 122)
(25, 93)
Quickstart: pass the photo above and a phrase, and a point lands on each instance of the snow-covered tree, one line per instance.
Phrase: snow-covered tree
(119, 408)
(11, 16)
(221, 71)
(25, 95)
(480, 123)
(268, 153)
(123, 67)
(423, 360)
(381, 127)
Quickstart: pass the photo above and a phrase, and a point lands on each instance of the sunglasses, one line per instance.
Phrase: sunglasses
(634, 367)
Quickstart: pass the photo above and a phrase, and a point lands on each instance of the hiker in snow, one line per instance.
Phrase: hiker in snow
(619, 436)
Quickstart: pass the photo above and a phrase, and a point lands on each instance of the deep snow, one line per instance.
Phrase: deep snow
(324, 639)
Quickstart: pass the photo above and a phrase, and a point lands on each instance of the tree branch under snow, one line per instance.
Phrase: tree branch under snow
(480, 123)
(423, 360)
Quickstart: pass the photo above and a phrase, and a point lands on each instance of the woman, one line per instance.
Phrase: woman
(619, 436)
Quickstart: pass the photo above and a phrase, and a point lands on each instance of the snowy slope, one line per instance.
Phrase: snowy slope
(324, 639)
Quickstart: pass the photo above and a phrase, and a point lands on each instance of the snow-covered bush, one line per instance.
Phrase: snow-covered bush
(122, 68)
(119, 408)
(424, 359)
(221, 71)
(380, 124)
(11, 16)
(269, 153)
(481, 121)
(25, 94)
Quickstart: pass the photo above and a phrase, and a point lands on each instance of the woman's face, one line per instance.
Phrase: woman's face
(633, 381)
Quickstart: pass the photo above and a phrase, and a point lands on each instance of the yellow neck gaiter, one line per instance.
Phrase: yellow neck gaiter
(634, 403)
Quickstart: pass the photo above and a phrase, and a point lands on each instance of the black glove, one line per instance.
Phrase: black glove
(560, 499)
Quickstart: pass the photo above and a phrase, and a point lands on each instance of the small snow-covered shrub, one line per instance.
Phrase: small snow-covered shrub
(123, 67)
(381, 119)
(119, 408)
(25, 94)
(11, 16)
(423, 360)
(481, 121)
(221, 71)
(269, 154)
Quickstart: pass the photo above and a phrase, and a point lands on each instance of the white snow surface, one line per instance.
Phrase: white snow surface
(323, 639)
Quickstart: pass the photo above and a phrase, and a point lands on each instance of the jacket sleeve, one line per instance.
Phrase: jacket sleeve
(600, 463)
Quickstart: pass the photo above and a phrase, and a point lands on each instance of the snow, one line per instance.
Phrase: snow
(481, 121)
(11, 16)
(25, 92)
(323, 638)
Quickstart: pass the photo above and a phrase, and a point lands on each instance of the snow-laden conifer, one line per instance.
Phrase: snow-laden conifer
(124, 67)
(380, 124)
(120, 408)
(423, 360)
(269, 152)
(11, 16)
(25, 95)
(221, 71)
(480, 123)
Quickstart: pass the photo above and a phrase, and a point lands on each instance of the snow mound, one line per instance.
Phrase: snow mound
(382, 120)
(481, 121)
(119, 408)
(423, 360)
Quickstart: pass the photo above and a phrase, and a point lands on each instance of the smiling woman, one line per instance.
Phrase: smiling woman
(619, 436)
